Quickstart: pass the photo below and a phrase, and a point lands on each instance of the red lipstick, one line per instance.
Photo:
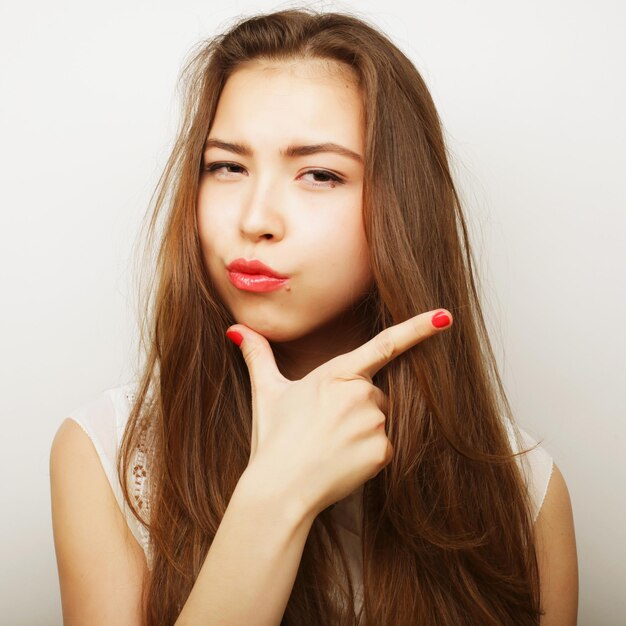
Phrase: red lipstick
(255, 276)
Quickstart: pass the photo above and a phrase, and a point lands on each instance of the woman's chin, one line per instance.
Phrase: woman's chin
(275, 333)
(310, 329)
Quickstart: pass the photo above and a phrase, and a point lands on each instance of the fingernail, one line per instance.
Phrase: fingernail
(440, 320)
(234, 336)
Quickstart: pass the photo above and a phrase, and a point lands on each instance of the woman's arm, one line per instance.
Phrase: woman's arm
(556, 554)
(247, 576)
(249, 571)
(101, 565)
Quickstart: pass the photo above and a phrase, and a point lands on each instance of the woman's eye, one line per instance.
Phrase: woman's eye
(214, 167)
(327, 177)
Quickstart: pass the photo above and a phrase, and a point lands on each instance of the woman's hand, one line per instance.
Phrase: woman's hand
(324, 436)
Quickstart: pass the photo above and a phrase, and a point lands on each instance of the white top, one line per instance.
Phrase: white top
(104, 417)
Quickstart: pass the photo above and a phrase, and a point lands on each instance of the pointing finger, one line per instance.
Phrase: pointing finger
(391, 342)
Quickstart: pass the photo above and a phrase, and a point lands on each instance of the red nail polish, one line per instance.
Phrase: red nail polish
(440, 320)
(234, 336)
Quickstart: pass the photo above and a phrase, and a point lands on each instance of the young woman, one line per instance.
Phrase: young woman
(349, 456)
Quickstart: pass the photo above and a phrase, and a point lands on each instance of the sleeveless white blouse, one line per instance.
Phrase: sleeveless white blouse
(104, 418)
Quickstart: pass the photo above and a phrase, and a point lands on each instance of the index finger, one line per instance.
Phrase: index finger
(372, 356)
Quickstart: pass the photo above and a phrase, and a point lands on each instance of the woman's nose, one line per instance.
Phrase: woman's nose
(261, 217)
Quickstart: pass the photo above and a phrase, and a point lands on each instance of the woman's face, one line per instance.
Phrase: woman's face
(271, 195)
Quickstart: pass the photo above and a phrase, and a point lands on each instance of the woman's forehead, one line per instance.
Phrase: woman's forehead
(264, 102)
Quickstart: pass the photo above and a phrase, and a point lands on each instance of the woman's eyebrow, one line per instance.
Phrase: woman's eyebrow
(290, 152)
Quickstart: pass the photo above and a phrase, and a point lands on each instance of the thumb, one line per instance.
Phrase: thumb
(257, 354)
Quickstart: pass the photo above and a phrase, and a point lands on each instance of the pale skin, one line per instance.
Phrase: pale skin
(287, 211)
(300, 352)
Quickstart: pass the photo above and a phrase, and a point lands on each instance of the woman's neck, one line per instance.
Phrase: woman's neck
(295, 359)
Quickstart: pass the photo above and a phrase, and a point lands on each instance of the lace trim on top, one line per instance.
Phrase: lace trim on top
(140, 481)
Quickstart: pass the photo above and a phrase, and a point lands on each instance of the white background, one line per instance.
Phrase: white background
(533, 101)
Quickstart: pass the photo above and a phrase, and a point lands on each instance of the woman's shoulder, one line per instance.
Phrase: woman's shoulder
(536, 464)
(86, 505)
(103, 417)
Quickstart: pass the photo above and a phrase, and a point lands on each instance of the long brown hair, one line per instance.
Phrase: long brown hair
(447, 525)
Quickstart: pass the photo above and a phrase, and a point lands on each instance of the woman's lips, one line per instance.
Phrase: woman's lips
(255, 282)
(253, 275)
